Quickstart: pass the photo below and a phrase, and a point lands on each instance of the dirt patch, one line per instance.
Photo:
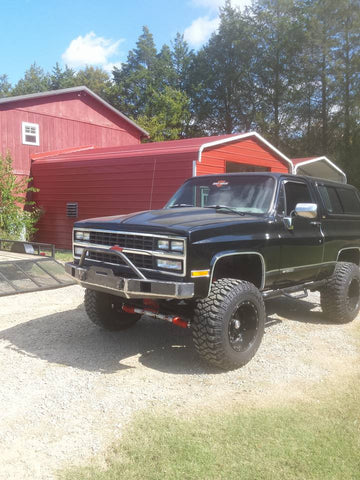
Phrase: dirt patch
(68, 388)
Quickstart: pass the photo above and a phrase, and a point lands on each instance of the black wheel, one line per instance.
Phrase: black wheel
(106, 311)
(340, 298)
(228, 325)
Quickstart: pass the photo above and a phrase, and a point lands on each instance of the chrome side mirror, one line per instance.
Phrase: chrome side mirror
(306, 210)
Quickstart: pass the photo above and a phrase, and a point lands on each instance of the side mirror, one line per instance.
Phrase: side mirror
(306, 210)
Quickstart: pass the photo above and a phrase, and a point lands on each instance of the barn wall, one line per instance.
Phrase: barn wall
(247, 151)
(106, 187)
(63, 123)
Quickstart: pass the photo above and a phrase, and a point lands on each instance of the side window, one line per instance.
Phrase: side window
(349, 200)
(331, 199)
(296, 193)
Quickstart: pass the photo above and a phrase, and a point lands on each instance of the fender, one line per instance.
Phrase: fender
(233, 253)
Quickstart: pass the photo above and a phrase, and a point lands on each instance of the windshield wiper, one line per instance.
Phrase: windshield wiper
(226, 208)
(176, 205)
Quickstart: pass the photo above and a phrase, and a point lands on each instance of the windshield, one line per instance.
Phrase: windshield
(246, 194)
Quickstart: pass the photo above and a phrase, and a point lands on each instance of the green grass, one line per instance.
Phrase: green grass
(64, 255)
(307, 441)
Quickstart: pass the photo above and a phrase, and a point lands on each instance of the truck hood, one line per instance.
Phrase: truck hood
(180, 221)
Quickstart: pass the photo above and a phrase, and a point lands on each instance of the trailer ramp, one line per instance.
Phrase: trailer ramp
(21, 272)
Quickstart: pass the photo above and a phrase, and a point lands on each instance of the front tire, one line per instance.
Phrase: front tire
(340, 298)
(105, 311)
(228, 325)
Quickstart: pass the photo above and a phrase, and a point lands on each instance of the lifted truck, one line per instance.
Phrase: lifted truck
(221, 246)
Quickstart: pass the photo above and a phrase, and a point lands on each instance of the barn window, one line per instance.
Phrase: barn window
(30, 133)
(72, 210)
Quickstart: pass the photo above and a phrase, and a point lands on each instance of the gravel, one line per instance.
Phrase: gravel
(68, 388)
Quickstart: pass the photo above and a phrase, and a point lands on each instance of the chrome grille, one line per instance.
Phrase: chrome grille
(139, 242)
(141, 261)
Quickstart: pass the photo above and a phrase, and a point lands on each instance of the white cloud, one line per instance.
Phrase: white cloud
(215, 4)
(90, 50)
(200, 30)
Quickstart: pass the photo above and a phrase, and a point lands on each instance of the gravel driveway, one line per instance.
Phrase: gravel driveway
(68, 388)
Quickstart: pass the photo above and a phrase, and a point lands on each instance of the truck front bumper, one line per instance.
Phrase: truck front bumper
(104, 280)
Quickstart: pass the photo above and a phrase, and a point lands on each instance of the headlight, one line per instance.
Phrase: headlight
(82, 235)
(78, 251)
(169, 264)
(177, 246)
(163, 244)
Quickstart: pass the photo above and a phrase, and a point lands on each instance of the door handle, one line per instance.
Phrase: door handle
(316, 224)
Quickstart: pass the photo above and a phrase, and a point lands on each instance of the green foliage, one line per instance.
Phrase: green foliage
(5, 86)
(35, 80)
(15, 221)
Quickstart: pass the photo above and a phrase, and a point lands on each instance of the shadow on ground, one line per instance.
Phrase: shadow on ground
(69, 338)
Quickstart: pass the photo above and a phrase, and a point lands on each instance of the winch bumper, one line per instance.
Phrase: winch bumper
(104, 280)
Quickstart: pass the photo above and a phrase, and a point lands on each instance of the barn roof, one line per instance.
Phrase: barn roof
(64, 91)
(194, 145)
(320, 167)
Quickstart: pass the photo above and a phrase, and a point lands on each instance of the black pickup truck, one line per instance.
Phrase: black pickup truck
(221, 246)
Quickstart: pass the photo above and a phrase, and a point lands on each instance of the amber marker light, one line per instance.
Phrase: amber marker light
(200, 273)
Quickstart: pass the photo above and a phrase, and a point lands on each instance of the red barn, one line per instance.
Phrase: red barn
(61, 119)
(120, 180)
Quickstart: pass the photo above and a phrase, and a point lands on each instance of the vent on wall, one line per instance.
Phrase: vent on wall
(72, 210)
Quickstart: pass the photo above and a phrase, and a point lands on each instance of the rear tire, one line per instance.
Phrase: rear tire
(228, 325)
(105, 311)
(340, 298)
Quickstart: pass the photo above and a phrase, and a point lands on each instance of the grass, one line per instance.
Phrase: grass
(307, 441)
(64, 255)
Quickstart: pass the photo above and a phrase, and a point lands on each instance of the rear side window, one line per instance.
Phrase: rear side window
(331, 199)
(349, 200)
(340, 200)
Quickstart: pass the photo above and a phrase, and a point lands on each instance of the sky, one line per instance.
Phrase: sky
(96, 32)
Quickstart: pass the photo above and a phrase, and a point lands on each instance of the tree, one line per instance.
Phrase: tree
(279, 39)
(15, 222)
(35, 80)
(223, 90)
(134, 81)
(62, 78)
(5, 86)
(96, 79)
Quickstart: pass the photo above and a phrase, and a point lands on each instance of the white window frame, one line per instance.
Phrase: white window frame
(24, 125)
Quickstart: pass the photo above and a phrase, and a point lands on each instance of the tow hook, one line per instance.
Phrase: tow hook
(180, 322)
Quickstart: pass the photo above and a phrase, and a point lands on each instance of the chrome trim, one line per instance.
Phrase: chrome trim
(346, 248)
(292, 269)
(152, 253)
(129, 233)
(155, 253)
(166, 272)
(233, 254)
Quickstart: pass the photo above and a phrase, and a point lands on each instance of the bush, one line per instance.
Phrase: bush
(18, 214)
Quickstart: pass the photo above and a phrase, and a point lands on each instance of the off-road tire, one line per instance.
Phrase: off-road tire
(214, 318)
(340, 297)
(105, 311)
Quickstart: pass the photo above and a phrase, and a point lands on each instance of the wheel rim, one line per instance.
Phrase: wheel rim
(243, 326)
(353, 295)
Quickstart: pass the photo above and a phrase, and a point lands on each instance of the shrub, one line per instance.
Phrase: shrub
(18, 214)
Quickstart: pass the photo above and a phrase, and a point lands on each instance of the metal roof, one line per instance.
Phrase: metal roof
(195, 145)
(320, 167)
(63, 91)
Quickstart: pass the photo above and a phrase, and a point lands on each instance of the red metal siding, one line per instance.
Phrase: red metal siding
(64, 121)
(247, 151)
(117, 187)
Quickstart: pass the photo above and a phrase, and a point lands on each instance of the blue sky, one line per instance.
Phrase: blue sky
(95, 32)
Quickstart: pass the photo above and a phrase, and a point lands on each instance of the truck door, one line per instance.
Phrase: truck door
(302, 245)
